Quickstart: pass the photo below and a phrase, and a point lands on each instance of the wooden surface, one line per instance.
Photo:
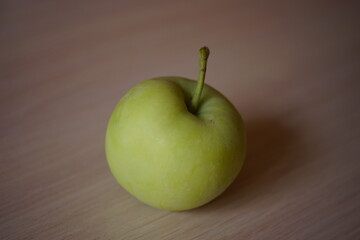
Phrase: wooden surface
(291, 68)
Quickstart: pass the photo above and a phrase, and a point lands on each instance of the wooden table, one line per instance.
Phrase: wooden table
(291, 68)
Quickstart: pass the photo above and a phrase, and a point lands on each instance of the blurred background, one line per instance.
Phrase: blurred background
(291, 68)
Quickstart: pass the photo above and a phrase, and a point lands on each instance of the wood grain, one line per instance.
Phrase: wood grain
(291, 68)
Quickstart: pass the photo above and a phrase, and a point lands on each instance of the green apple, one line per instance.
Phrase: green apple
(175, 143)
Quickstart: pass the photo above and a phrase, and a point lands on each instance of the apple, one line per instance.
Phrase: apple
(174, 143)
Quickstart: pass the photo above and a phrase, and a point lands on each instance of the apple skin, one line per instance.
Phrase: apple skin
(168, 157)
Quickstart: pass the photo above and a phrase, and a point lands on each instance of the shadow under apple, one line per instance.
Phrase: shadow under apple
(268, 159)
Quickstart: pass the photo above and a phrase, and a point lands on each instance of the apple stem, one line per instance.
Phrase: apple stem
(204, 54)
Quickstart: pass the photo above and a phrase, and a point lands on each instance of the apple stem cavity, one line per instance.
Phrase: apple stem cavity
(204, 54)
